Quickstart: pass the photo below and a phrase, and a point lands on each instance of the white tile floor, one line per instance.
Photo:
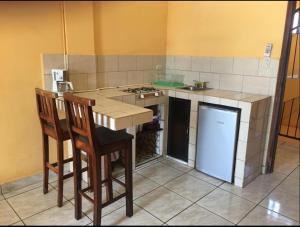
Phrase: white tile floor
(167, 193)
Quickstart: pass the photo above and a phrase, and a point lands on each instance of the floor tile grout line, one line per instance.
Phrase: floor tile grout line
(193, 203)
(278, 213)
(31, 189)
(54, 188)
(163, 185)
(20, 219)
(85, 213)
(215, 213)
(240, 195)
(205, 180)
(208, 209)
(51, 183)
(23, 219)
(35, 187)
(124, 205)
(255, 203)
(184, 172)
(258, 204)
(196, 203)
(176, 164)
(47, 210)
(150, 213)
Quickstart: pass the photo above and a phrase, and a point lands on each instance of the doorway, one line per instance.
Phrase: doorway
(284, 141)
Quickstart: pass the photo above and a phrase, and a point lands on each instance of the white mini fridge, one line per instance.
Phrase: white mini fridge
(217, 135)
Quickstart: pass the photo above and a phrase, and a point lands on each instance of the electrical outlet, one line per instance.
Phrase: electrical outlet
(59, 74)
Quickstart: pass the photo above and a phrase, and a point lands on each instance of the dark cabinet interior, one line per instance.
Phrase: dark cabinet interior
(178, 128)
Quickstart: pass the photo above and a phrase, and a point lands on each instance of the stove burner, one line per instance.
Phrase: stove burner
(144, 91)
(141, 90)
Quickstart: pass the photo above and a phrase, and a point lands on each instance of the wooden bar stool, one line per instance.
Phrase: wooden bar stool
(57, 129)
(96, 142)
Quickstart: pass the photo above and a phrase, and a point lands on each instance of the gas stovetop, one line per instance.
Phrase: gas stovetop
(144, 92)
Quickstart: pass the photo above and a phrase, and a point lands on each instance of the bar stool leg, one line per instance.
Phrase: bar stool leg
(97, 189)
(77, 183)
(45, 161)
(108, 177)
(90, 174)
(60, 162)
(128, 180)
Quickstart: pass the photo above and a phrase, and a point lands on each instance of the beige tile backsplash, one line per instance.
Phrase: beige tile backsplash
(222, 65)
(52, 61)
(92, 71)
(201, 64)
(127, 63)
(82, 64)
(107, 64)
(144, 63)
(231, 82)
(245, 66)
(250, 75)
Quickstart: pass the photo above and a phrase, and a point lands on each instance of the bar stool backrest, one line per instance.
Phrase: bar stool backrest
(79, 115)
(47, 111)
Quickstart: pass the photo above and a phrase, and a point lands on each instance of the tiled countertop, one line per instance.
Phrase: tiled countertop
(111, 112)
(225, 94)
(115, 114)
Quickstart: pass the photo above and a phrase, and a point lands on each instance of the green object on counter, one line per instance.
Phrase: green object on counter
(168, 83)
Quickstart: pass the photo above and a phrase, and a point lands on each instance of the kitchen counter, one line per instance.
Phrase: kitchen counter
(117, 110)
(224, 94)
(113, 112)
(110, 111)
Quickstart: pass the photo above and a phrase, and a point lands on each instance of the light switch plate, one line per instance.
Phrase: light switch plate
(268, 50)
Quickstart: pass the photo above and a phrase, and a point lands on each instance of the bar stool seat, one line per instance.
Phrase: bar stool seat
(105, 136)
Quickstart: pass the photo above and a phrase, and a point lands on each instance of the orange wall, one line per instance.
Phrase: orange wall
(225, 28)
(80, 27)
(129, 28)
(27, 30)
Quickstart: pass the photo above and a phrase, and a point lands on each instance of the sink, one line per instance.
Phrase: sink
(193, 88)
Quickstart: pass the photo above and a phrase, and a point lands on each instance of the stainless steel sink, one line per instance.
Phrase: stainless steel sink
(193, 88)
